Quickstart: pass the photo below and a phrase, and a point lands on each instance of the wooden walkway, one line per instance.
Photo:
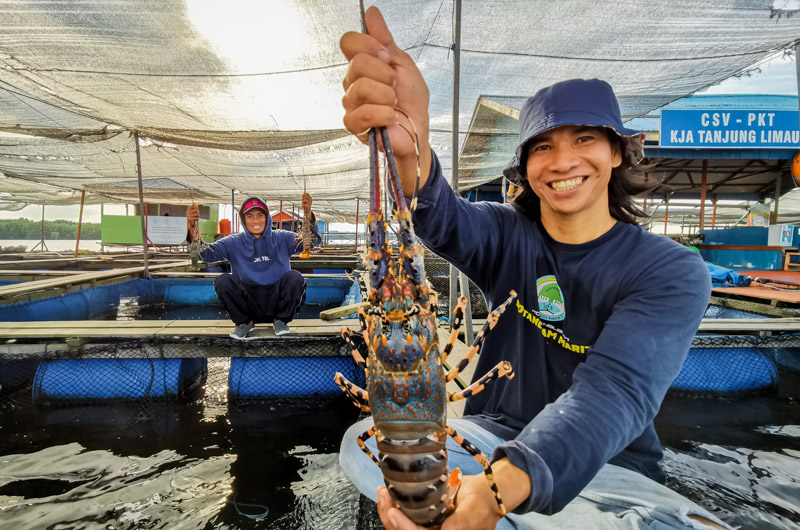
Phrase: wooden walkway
(138, 329)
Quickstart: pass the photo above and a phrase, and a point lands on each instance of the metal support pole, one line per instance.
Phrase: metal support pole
(233, 210)
(141, 205)
(80, 222)
(714, 214)
(456, 89)
(666, 214)
(469, 333)
(280, 216)
(41, 242)
(102, 247)
(43, 228)
(777, 198)
(703, 193)
(355, 249)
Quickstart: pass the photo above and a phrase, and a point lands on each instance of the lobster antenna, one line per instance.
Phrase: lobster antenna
(361, 16)
(374, 170)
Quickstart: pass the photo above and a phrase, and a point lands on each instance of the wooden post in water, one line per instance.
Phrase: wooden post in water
(141, 204)
(80, 222)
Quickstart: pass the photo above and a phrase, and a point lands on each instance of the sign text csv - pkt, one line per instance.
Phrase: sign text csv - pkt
(730, 128)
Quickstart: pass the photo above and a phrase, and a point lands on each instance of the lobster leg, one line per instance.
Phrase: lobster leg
(347, 335)
(482, 460)
(491, 322)
(361, 441)
(458, 315)
(357, 395)
(503, 368)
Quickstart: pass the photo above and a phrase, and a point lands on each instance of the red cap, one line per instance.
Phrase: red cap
(254, 203)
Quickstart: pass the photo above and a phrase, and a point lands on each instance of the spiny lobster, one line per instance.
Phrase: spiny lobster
(306, 233)
(405, 377)
(195, 247)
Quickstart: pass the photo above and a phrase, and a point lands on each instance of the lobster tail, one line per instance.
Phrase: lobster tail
(416, 475)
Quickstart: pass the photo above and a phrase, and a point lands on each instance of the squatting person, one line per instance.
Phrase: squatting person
(261, 286)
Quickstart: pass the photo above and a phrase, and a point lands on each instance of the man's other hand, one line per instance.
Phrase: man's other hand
(193, 213)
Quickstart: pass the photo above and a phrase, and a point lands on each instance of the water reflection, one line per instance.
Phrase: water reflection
(738, 458)
(122, 491)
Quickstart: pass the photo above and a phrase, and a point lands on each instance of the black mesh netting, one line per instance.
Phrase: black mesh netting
(438, 272)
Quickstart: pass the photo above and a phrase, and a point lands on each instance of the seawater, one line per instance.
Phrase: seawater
(210, 464)
(215, 464)
(737, 457)
(55, 245)
(154, 466)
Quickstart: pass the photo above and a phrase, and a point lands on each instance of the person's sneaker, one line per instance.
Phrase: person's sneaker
(241, 331)
(280, 327)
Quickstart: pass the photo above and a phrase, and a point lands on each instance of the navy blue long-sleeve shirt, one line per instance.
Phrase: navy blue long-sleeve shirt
(596, 336)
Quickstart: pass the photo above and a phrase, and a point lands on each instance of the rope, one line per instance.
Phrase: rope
(249, 516)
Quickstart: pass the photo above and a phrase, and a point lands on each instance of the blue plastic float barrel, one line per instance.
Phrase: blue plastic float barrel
(289, 377)
(101, 379)
(726, 370)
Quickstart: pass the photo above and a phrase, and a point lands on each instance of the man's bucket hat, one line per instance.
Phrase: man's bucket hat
(575, 102)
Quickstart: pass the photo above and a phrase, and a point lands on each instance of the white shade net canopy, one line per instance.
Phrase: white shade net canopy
(246, 96)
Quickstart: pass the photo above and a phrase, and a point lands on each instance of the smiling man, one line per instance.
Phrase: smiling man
(261, 287)
(605, 314)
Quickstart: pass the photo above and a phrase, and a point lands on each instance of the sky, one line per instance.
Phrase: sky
(774, 76)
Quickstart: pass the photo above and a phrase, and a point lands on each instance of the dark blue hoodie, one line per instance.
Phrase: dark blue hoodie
(256, 261)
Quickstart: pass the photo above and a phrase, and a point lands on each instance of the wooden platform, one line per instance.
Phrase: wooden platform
(765, 293)
(137, 329)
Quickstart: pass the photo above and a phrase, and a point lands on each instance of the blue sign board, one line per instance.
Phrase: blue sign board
(713, 128)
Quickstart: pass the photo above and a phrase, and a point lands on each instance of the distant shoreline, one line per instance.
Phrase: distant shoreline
(53, 245)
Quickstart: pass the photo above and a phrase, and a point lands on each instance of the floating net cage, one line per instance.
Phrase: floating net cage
(301, 369)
